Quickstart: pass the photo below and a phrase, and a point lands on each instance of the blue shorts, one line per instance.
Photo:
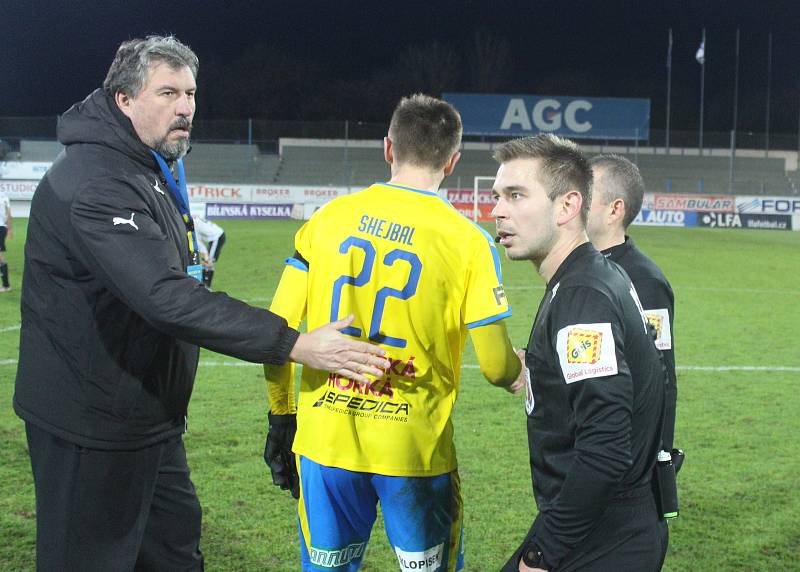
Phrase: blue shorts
(423, 518)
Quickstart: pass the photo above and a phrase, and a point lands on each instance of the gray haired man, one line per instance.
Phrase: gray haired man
(112, 321)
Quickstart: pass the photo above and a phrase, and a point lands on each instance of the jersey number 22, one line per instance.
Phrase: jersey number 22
(363, 276)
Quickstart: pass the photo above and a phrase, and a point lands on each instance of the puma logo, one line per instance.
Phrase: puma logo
(157, 188)
(119, 220)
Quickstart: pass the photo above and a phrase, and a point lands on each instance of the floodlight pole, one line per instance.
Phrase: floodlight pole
(702, 89)
(669, 85)
(769, 85)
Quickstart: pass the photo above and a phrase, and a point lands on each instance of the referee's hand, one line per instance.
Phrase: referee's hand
(327, 349)
(521, 381)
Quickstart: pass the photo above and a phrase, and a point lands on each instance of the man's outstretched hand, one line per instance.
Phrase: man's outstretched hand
(327, 349)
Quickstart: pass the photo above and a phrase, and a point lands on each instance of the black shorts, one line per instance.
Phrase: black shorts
(3, 233)
(628, 537)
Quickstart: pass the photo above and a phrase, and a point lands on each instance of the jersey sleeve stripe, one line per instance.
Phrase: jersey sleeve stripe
(496, 259)
(489, 320)
(296, 264)
(493, 249)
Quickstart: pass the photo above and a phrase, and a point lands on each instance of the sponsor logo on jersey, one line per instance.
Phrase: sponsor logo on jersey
(362, 406)
(428, 560)
(583, 346)
(656, 322)
(336, 558)
(499, 295)
(378, 387)
(399, 368)
(586, 351)
(659, 319)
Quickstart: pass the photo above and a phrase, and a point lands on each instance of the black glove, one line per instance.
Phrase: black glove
(278, 452)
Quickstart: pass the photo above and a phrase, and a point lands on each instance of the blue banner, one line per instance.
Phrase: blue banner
(248, 210)
(666, 218)
(575, 117)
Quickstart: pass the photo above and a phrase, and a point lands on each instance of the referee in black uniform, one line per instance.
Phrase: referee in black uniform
(595, 395)
(617, 194)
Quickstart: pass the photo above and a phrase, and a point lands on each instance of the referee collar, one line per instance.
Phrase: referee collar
(619, 250)
(582, 251)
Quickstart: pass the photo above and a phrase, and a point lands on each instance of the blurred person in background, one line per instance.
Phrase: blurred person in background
(6, 233)
(617, 195)
(210, 240)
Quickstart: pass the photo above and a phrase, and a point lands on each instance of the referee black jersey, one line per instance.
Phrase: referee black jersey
(595, 400)
(658, 302)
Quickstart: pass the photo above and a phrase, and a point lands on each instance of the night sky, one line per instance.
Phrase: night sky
(352, 60)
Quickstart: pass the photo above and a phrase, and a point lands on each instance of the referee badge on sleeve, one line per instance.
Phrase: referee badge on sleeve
(659, 319)
(528, 391)
(586, 351)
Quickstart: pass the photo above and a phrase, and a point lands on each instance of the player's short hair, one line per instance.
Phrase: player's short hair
(425, 131)
(622, 180)
(563, 166)
(128, 71)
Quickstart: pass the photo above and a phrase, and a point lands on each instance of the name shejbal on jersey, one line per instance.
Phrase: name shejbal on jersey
(387, 229)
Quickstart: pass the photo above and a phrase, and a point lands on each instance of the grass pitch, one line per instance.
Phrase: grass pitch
(737, 314)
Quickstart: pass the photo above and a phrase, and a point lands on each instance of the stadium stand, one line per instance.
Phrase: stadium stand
(695, 174)
(332, 165)
(360, 163)
(35, 150)
(221, 163)
(207, 162)
(361, 166)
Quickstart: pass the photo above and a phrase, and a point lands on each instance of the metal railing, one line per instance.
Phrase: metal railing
(266, 134)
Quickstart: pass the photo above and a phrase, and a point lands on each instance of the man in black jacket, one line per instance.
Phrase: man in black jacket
(617, 194)
(112, 317)
(595, 382)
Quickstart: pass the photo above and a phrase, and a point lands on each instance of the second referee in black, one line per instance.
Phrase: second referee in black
(595, 389)
(617, 195)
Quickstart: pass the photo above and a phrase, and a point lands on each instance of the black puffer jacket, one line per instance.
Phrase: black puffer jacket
(111, 323)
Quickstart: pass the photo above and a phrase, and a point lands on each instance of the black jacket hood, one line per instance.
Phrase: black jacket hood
(97, 120)
(111, 322)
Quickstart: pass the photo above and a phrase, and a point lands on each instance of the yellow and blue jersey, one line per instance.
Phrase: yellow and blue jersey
(417, 275)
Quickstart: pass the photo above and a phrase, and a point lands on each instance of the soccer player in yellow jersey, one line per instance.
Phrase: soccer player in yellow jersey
(418, 276)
